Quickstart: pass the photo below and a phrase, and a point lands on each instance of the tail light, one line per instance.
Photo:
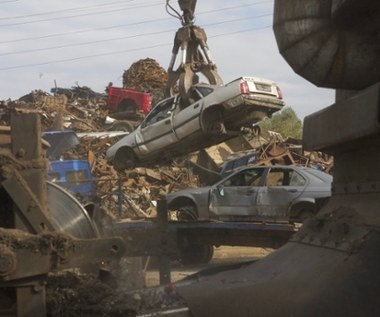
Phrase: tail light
(279, 92)
(244, 89)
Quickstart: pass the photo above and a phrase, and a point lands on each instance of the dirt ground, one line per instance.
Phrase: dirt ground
(223, 255)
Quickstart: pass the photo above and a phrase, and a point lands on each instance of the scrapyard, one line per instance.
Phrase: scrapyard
(87, 191)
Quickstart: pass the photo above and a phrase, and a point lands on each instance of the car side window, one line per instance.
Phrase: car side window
(193, 98)
(276, 177)
(249, 177)
(284, 177)
(194, 95)
(205, 91)
(160, 112)
(297, 179)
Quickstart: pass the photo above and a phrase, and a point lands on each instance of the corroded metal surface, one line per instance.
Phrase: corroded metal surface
(299, 279)
(331, 43)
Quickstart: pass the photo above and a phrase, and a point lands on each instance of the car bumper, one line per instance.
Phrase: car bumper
(245, 110)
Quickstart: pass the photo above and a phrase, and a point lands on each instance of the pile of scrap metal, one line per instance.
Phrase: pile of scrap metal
(128, 193)
(255, 149)
(148, 76)
(79, 108)
(131, 194)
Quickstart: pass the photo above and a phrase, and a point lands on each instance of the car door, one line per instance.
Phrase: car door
(282, 186)
(234, 199)
(156, 132)
(186, 119)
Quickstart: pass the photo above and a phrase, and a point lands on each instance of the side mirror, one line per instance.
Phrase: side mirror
(220, 190)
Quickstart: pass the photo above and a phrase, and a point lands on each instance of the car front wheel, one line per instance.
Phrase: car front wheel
(124, 159)
(186, 213)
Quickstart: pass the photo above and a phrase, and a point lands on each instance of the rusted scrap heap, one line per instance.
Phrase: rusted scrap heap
(148, 76)
(78, 108)
(83, 110)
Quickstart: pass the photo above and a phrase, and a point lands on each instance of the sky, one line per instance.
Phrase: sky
(90, 43)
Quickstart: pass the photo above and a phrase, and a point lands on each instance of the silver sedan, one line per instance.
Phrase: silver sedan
(212, 115)
(264, 194)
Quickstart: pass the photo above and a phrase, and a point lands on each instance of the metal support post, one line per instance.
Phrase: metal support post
(164, 260)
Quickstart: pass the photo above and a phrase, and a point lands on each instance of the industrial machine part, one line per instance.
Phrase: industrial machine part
(42, 228)
(196, 57)
(330, 267)
(331, 43)
(68, 215)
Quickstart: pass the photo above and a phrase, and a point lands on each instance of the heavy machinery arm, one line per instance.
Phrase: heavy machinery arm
(195, 53)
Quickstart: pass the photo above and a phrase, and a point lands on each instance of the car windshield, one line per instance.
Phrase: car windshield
(319, 176)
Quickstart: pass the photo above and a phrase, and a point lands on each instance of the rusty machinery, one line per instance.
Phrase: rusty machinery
(330, 267)
(42, 228)
(195, 53)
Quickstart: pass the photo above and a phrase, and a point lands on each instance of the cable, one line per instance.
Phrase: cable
(121, 38)
(80, 15)
(82, 31)
(86, 43)
(116, 10)
(123, 25)
(121, 51)
(63, 10)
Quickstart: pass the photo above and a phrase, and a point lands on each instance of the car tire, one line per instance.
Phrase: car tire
(186, 213)
(196, 254)
(125, 158)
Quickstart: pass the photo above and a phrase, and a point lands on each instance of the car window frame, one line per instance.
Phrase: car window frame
(166, 105)
(261, 178)
(204, 91)
(305, 180)
(320, 176)
(289, 176)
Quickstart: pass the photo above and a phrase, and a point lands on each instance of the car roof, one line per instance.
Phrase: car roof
(320, 175)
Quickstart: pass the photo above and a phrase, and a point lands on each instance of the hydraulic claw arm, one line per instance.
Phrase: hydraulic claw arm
(195, 54)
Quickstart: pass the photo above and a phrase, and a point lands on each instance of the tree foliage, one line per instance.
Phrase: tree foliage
(284, 122)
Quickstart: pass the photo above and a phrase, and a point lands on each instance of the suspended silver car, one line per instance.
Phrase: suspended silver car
(212, 114)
